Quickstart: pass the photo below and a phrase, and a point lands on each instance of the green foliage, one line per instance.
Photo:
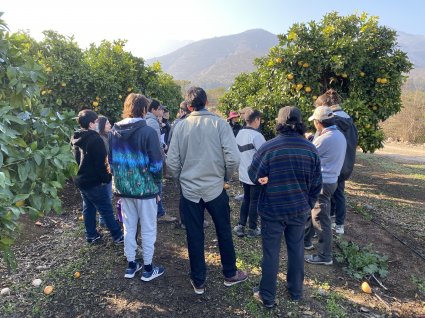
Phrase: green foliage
(420, 283)
(335, 310)
(361, 262)
(351, 54)
(99, 78)
(162, 86)
(35, 156)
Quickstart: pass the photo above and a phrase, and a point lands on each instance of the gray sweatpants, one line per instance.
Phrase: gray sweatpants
(133, 212)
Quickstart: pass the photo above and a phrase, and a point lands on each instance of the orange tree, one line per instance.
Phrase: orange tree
(99, 78)
(35, 155)
(352, 54)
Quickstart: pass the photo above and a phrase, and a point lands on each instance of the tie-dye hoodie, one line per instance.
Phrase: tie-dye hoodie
(135, 159)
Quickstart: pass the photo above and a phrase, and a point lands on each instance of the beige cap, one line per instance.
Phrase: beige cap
(322, 113)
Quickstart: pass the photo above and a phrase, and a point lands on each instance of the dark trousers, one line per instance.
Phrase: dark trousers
(338, 207)
(248, 210)
(271, 233)
(219, 210)
(320, 222)
(181, 206)
(98, 198)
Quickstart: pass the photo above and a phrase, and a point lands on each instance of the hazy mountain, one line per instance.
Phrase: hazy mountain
(414, 45)
(217, 61)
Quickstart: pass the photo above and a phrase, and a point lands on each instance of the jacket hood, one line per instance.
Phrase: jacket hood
(149, 115)
(127, 127)
(343, 123)
(81, 137)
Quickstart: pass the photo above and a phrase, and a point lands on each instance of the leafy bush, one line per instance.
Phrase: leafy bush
(351, 54)
(35, 155)
(361, 262)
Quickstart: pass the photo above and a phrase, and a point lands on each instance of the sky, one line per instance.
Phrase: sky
(153, 27)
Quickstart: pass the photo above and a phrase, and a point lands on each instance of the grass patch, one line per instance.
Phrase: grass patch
(411, 171)
(420, 283)
(333, 306)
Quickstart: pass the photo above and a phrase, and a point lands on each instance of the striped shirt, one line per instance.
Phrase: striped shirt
(292, 165)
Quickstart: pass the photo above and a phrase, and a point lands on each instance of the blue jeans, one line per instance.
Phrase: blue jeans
(338, 205)
(98, 199)
(161, 211)
(219, 210)
(271, 233)
(109, 187)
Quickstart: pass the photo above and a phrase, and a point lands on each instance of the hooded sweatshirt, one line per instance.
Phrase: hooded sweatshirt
(135, 158)
(346, 125)
(90, 154)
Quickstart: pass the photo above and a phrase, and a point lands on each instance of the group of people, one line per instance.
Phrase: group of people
(289, 181)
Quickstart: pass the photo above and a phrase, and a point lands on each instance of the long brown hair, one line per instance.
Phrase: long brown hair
(102, 120)
(135, 106)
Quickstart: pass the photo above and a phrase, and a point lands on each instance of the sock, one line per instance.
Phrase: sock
(132, 264)
(148, 268)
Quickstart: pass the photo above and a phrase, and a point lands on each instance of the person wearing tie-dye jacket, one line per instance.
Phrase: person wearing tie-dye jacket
(136, 163)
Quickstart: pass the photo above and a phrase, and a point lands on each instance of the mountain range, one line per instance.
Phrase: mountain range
(215, 62)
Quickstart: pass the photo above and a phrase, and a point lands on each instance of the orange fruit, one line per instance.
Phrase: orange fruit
(378, 80)
(366, 288)
(95, 104)
(384, 81)
(307, 89)
(290, 76)
(362, 74)
(305, 65)
(299, 86)
(77, 274)
(279, 60)
(48, 290)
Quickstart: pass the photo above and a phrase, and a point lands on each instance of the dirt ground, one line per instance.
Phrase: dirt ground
(386, 209)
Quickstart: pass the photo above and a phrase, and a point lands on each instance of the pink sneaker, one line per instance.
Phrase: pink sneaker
(239, 277)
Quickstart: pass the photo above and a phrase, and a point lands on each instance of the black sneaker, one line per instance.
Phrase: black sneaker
(317, 260)
(308, 247)
(199, 290)
(258, 298)
(94, 240)
(120, 240)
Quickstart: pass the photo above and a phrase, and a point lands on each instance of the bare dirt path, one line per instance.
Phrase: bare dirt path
(403, 152)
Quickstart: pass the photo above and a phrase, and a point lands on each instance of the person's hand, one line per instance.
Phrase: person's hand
(158, 198)
(263, 180)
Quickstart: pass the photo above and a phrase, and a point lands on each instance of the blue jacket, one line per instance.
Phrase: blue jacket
(292, 165)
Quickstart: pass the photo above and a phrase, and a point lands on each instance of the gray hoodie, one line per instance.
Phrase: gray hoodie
(331, 146)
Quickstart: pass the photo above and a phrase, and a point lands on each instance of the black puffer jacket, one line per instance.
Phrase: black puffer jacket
(346, 125)
(90, 154)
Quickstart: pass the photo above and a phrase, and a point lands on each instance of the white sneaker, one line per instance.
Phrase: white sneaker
(339, 229)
